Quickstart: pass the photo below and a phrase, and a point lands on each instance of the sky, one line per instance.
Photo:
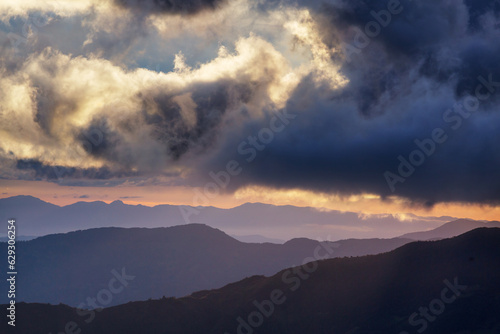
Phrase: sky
(364, 106)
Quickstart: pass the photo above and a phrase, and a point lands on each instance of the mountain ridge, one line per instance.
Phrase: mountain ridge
(275, 222)
(335, 297)
(450, 229)
(71, 265)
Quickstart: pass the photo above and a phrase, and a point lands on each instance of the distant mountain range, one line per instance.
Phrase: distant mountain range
(174, 261)
(35, 218)
(448, 286)
(448, 230)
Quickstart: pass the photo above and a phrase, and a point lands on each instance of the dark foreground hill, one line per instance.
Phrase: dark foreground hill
(175, 261)
(449, 286)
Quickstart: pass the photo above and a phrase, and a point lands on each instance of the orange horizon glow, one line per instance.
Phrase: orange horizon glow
(366, 204)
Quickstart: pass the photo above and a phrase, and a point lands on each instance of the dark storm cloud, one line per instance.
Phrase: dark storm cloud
(477, 8)
(40, 171)
(333, 148)
(416, 38)
(187, 7)
(415, 26)
(479, 58)
(445, 40)
(429, 59)
(173, 131)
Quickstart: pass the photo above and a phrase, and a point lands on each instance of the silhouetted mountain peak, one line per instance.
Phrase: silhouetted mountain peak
(25, 200)
(178, 233)
(87, 204)
(300, 242)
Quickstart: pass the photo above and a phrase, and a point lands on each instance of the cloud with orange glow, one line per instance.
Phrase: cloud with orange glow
(167, 93)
